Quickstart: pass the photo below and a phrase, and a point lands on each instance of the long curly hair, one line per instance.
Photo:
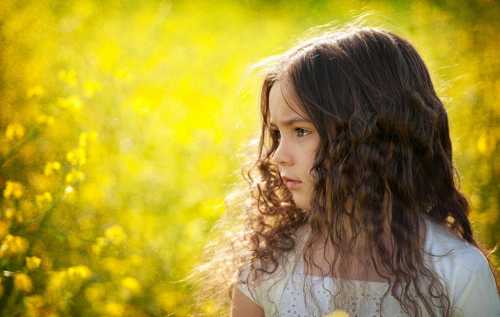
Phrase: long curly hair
(383, 132)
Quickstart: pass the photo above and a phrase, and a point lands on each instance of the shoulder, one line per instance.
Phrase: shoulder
(266, 289)
(445, 245)
(449, 254)
(464, 269)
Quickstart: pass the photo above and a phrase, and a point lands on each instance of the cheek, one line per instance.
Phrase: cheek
(308, 164)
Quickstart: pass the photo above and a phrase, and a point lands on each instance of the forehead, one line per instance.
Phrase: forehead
(282, 105)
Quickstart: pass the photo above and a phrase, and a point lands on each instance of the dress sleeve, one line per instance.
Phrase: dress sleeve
(268, 289)
(474, 291)
(244, 287)
(465, 271)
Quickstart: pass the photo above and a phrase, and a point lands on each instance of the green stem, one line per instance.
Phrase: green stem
(33, 135)
(45, 219)
(9, 297)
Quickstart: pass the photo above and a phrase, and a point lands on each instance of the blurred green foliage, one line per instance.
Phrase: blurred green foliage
(121, 122)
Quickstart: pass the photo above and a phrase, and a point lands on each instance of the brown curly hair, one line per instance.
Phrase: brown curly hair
(383, 132)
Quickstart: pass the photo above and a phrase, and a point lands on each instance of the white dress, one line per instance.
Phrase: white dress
(462, 267)
(365, 300)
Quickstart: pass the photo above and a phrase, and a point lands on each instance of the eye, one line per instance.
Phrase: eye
(276, 134)
(302, 132)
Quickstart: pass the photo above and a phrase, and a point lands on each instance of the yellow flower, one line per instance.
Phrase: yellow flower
(208, 308)
(115, 234)
(13, 190)
(33, 262)
(57, 280)
(135, 260)
(124, 75)
(51, 168)
(168, 300)
(23, 282)
(114, 309)
(72, 102)
(35, 91)
(112, 265)
(33, 304)
(45, 119)
(4, 228)
(14, 131)
(96, 249)
(79, 272)
(77, 157)
(13, 245)
(91, 87)
(9, 213)
(85, 137)
(74, 176)
(93, 136)
(131, 285)
(42, 200)
(141, 105)
(68, 76)
(95, 292)
(101, 241)
(338, 313)
(483, 144)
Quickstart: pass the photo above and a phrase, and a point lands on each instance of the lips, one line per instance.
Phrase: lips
(291, 183)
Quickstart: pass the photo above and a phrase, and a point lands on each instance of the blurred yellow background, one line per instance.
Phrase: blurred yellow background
(122, 124)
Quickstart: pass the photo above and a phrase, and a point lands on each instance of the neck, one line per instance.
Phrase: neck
(357, 256)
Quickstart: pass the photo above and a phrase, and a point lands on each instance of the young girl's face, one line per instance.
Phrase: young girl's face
(298, 141)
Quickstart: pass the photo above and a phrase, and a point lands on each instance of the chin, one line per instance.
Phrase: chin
(302, 204)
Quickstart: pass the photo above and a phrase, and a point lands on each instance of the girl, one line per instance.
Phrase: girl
(354, 204)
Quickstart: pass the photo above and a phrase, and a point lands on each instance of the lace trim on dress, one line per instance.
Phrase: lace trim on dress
(364, 302)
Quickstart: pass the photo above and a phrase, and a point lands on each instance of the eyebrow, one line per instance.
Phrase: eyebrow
(290, 122)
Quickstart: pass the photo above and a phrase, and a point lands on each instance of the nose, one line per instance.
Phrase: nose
(283, 155)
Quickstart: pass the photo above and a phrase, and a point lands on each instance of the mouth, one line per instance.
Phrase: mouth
(291, 183)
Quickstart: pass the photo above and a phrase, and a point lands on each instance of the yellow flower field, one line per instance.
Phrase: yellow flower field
(123, 125)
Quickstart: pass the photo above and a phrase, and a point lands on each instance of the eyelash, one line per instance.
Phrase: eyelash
(276, 134)
(304, 132)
